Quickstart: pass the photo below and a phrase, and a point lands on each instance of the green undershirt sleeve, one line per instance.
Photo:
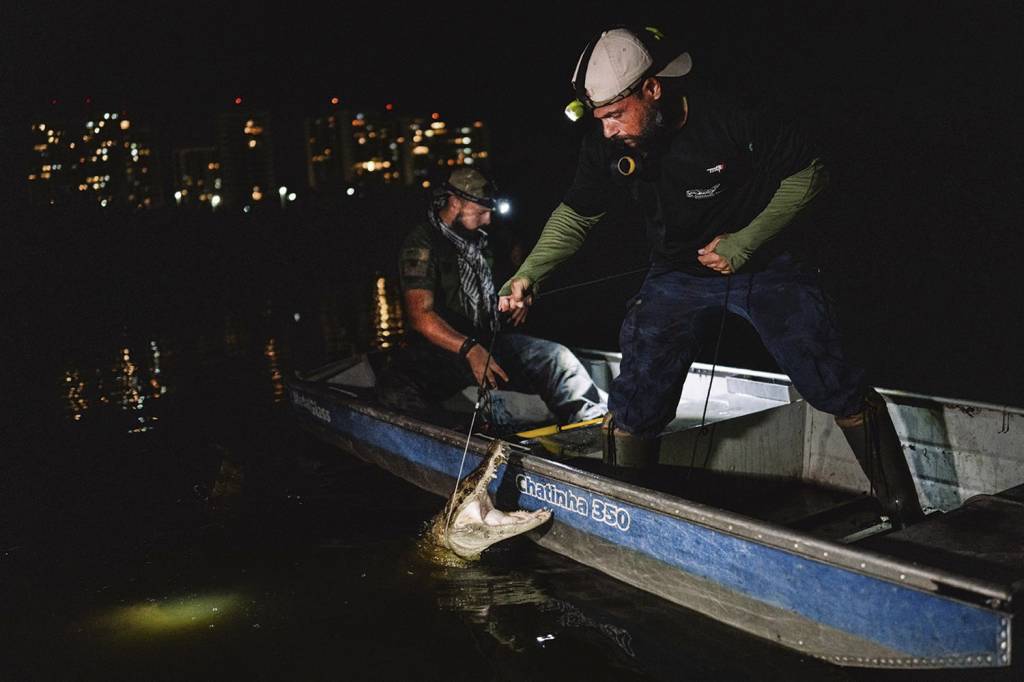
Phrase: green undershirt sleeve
(562, 236)
(793, 194)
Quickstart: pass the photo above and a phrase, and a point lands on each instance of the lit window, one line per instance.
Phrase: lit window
(125, 124)
(252, 144)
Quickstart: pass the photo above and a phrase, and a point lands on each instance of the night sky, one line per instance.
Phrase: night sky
(917, 105)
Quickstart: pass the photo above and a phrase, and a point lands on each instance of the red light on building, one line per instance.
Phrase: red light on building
(53, 101)
(238, 100)
(389, 106)
(334, 100)
(88, 100)
(435, 116)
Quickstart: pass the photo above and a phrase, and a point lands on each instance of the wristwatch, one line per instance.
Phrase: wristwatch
(466, 345)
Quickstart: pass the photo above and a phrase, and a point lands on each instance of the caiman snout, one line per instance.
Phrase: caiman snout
(470, 523)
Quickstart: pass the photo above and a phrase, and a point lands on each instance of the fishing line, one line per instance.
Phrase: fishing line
(480, 393)
(593, 281)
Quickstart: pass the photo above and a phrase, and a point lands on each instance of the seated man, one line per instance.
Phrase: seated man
(450, 304)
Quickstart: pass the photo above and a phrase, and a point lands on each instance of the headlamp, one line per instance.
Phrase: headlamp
(575, 110)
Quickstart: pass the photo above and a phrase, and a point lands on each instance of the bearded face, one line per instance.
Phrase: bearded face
(633, 123)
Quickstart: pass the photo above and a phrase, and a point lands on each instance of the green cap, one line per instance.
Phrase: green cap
(470, 184)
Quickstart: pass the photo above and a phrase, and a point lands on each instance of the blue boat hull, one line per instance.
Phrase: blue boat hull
(812, 596)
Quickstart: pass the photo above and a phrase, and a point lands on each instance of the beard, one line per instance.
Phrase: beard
(459, 226)
(652, 130)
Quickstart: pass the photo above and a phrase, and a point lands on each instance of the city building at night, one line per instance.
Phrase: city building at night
(348, 150)
(51, 178)
(246, 150)
(197, 179)
(96, 158)
(434, 147)
(329, 163)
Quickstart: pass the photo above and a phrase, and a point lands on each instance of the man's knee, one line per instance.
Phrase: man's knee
(871, 400)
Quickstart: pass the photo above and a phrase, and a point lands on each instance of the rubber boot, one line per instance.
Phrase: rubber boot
(873, 439)
(624, 450)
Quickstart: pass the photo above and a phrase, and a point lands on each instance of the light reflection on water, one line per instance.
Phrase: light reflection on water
(126, 384)
(276, 379)
(168, 615)
(387, 314)
(490, 598)
(129, 383)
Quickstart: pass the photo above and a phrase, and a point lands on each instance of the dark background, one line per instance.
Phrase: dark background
(917, 105)
(110, 507)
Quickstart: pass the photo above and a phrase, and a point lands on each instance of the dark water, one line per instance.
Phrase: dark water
(163, 518)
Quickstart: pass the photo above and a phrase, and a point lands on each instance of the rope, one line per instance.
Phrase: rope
(711, 381)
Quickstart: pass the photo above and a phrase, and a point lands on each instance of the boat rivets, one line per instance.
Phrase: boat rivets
(1003, 622)
(863, 565)
(730, 526)
(800, 642)
(824, 553)
(796, 545)
(1002, 645)
(988, 659)
(759, 536)
(903, 576)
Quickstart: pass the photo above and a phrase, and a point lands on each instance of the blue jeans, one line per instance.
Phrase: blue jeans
(550, 370)
(786, 306)
(422, 375)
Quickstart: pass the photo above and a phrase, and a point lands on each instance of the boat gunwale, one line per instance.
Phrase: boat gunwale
(901, 396)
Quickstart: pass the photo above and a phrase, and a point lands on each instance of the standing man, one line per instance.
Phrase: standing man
(718, 182)
(450, 302)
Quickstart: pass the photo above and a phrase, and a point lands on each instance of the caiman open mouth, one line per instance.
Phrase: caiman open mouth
(473, 513)
(475, 524)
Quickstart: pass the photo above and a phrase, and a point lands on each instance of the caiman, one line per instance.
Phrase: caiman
(470, 523)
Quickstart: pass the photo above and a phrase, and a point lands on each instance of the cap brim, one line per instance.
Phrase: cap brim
(680, 66)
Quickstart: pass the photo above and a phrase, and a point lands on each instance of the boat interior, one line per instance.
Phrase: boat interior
(746, 442)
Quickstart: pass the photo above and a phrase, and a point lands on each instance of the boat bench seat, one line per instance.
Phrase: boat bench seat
(983, 539)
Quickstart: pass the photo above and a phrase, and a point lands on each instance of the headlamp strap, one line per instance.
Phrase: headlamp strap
(462, 194)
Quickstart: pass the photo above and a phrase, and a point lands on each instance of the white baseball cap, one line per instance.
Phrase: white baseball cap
(612, 66)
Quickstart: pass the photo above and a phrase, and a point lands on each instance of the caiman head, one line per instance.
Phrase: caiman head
(470, 523)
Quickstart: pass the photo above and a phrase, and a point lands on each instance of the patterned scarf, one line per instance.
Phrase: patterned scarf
(477, 291)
